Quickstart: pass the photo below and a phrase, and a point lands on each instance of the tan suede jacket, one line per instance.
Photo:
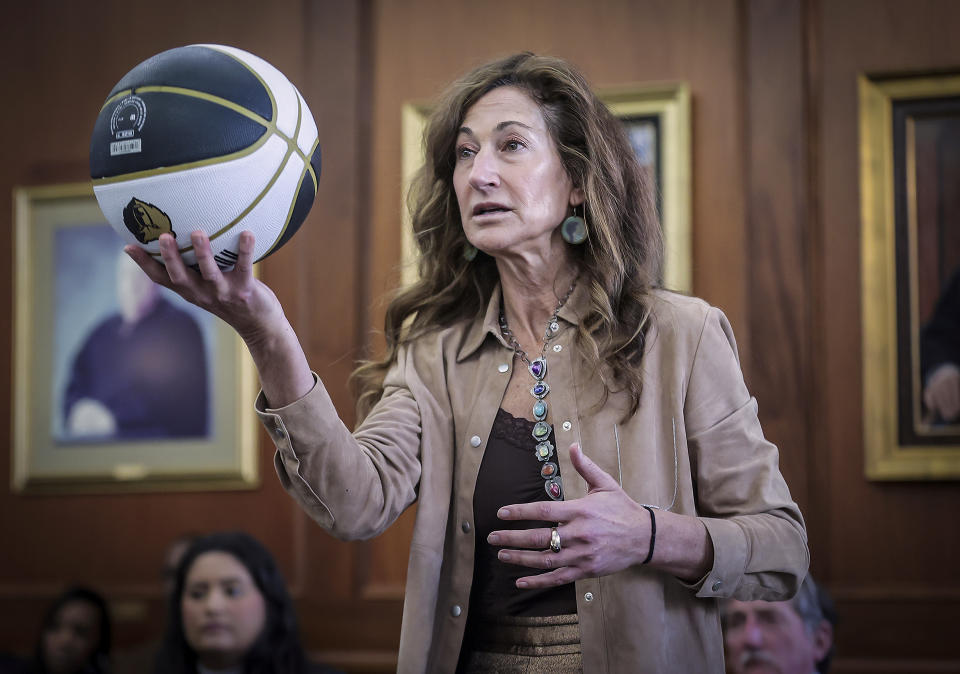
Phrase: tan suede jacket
(695, 446)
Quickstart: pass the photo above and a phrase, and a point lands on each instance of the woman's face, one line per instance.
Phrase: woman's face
(511, 186)
(70, 641)
(223, 611)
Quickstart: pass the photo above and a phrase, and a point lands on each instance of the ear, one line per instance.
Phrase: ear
(576, 196)
(822, 640)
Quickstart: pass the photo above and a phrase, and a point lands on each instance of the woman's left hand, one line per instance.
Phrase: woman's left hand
(604, 532)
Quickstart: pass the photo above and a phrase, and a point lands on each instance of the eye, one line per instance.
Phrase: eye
(768, 617)
(197, 592)
(735, 620)
(464, 152)
(512, 145)
(233, 590)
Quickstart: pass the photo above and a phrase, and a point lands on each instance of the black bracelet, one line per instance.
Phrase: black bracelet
(653, 535)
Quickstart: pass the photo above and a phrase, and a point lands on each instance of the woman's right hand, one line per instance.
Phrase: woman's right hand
(236, 296)
(243, 302)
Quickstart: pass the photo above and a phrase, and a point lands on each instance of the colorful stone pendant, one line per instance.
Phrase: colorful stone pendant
(538, 368)
(540, 389)
(540, 410)
(554, 487)
(544, 451)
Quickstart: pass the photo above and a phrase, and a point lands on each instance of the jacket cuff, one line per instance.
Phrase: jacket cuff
(285, 460)
(729, 559)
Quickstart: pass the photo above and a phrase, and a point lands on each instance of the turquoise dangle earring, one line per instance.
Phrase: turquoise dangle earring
(469, 252)
(574, 228)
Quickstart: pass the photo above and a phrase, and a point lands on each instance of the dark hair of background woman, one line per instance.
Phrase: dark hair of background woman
(101, 654)
(277, 650)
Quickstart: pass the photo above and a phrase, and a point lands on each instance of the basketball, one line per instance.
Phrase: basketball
(205, 137)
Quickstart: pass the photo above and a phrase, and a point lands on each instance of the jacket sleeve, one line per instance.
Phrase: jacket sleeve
(758, 535)
(353, 484)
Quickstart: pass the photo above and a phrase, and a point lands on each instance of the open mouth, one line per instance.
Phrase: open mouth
(487, 209)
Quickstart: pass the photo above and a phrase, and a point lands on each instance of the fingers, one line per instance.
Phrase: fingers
(537, 539)
(596, 477)
(539, 511)
(942, 392)
(176, 269)
(245, 247)
(558, 565)
(561, 576)
(209, 269)
(562, 567)
(153, 269)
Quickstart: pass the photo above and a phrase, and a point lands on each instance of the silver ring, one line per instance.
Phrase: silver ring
(554, 540)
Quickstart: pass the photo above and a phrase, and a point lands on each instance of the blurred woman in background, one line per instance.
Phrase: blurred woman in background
(75, 637)
(230, 612)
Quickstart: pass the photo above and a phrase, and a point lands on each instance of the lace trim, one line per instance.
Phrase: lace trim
(516, 431)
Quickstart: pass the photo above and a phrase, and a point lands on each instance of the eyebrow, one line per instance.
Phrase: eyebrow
(499, 127)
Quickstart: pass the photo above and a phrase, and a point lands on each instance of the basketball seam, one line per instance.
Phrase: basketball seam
(270, 127)
(273, 101)
(296, 194)
(253, 204)
(309, 165)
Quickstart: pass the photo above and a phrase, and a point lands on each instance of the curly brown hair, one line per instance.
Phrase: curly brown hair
(621, 261)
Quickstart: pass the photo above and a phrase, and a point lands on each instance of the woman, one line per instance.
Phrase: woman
(75, 637)
(637, 481)
(230, 612)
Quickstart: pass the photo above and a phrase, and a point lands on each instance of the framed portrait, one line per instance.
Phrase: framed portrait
(910, 202)
(656, 118)
(118, 383)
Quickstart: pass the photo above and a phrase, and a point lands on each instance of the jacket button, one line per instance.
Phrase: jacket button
(557, 348)
(456, 611)
(466, 527)
(503, 367)
(567, 425)
(475, 441)
(716, 586)
(588, 596)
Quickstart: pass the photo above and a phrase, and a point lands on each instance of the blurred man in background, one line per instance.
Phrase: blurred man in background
(788, 637)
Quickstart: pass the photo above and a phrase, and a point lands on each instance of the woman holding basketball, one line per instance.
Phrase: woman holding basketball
(588, 465)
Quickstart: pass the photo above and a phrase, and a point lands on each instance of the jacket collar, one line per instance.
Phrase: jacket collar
(489, 322)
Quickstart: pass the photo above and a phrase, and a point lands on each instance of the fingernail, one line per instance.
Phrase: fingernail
(493, 539)
(503, 513)
(504, 556)
(521, 584)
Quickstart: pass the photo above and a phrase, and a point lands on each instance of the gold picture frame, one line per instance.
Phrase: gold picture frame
(85, 418)
(907, 125)
(657, 119)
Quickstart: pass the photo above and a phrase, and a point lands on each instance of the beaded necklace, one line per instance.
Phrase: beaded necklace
(544, 450)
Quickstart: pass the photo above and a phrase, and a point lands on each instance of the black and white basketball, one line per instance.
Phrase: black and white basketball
(205, 137)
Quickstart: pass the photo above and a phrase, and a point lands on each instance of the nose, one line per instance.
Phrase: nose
(213, 602)
(753, 632)
(484, 172)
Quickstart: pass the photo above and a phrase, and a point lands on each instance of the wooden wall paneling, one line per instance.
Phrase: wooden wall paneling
(890, 558)
(342, 624)
(778, 290)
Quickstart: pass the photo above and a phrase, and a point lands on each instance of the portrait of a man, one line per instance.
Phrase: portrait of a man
(138, 369)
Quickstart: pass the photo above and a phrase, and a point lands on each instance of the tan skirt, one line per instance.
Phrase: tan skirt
(523, 646)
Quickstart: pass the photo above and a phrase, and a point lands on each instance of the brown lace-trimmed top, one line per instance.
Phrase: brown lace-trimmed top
(509, 473)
